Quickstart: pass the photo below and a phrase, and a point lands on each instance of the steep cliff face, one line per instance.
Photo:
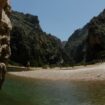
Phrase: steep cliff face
(30, 44)
(75, 45)
(5, 28)
(88, 44)
(96, 39)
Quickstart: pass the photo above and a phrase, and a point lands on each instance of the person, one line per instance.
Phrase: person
(28, 65)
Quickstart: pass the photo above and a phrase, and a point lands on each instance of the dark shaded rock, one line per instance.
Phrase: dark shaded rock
(96, 39)
(88, 44)
(29, 43)
(75, 45)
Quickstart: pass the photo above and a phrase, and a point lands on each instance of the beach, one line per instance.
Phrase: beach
(78, 73)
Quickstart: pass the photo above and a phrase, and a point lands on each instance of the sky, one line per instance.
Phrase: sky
(60, 17)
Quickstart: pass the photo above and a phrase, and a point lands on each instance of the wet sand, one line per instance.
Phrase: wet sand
(83, 73)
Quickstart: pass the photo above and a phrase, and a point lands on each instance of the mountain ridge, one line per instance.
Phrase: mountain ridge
(40, 48)
(29, 43)
(79, 46)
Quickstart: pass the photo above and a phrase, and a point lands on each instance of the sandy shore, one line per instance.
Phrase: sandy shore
(86, 73)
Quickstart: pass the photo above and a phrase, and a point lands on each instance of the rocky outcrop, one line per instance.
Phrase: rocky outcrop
(75, 45)
(29, 43)
(96, 39)
(88, 44)
(5, 27)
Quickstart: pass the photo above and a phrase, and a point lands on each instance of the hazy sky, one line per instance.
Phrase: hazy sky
(61, 17)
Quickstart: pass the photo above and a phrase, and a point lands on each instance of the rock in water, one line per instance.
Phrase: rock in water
(5, 27)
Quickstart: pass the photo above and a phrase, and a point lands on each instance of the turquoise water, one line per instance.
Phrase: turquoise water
(23, 91)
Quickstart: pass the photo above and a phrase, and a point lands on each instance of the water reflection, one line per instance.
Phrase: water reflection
(95, 92)
(19, 91)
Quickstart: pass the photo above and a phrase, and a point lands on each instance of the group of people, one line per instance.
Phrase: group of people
(5, 28)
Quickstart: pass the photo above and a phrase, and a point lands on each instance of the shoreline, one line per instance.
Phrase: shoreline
(82, 73)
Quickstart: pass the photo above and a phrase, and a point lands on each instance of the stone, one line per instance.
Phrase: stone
(5, 28)
(2, 73)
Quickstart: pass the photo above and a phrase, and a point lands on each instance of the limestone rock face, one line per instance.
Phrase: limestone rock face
(5, 27)
(87, 45)
(29, 43)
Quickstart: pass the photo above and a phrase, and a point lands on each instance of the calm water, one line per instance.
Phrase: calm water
(22, 91)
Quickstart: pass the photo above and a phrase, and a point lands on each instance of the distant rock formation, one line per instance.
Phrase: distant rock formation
(96, 39)
(5, 27)
(88, 44)
(29, 43)
(75, 45)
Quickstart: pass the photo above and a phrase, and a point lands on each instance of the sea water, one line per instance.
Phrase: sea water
(25, 91)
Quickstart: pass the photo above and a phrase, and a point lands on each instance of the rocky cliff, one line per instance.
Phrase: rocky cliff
(88, 44)
(96, 39)
(29, 43)
(75, 44)
(5, 28)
